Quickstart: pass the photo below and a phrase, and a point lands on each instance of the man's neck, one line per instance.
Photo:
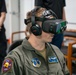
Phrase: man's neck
(36, 43)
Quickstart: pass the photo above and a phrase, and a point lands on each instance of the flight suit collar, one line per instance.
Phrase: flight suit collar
(28, 46)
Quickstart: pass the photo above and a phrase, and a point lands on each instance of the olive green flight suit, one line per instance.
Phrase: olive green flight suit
(25, 60)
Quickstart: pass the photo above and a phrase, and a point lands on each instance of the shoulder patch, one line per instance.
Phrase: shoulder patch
(7, 65)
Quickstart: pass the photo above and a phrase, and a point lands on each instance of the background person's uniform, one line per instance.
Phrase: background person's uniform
(25, 60)
(3, 41)
(57, 7)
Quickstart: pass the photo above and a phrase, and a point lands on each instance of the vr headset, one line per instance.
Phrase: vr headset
(54, 25)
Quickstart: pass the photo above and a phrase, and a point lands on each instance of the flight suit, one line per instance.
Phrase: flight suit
(25, 60)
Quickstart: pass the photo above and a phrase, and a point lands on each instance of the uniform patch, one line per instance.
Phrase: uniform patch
(52, 60)
(7, 64)
(36, 62)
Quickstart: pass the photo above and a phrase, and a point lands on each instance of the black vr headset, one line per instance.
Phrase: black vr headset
(54, 26)
(49, 25)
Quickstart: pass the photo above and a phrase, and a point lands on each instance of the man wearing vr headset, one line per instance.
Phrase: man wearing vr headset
(35, 56)
(57, 6)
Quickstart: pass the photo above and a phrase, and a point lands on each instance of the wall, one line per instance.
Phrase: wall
(25, 6)
(71, 13)
(12, 17)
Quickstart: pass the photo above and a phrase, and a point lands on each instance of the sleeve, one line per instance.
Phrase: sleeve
(11, 65)
(8, 67)
(3, 7)
(62, 60)
(65, 69)
(38, 3)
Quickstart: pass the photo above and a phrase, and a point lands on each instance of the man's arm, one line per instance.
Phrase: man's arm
(3, 12)
(64, 15)
(2, 18)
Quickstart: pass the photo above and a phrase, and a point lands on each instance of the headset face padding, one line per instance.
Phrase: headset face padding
(35, 28)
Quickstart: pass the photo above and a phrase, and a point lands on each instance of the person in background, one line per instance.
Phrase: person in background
(57, 6)
(3, 41)
(35, 56)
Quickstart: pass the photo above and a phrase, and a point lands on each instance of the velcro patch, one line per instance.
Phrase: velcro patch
(53, 60)
(7, 65)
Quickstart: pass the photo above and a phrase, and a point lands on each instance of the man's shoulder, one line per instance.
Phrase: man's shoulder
(15, 53)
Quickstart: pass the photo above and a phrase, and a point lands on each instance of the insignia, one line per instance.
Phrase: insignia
(36, 62)
(7, 64)
(52, 60)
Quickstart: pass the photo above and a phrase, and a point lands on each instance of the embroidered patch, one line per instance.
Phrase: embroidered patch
(52, 60)
(7, 64)
(36, 62)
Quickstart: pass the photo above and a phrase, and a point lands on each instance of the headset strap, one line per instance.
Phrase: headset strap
(26, 21)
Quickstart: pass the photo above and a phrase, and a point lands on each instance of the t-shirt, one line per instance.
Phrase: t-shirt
(2, 6)
(55, 5)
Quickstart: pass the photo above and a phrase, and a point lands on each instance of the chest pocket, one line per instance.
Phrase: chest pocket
(55, 69)
(34, 68)
(28, 67)
(55, 65)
